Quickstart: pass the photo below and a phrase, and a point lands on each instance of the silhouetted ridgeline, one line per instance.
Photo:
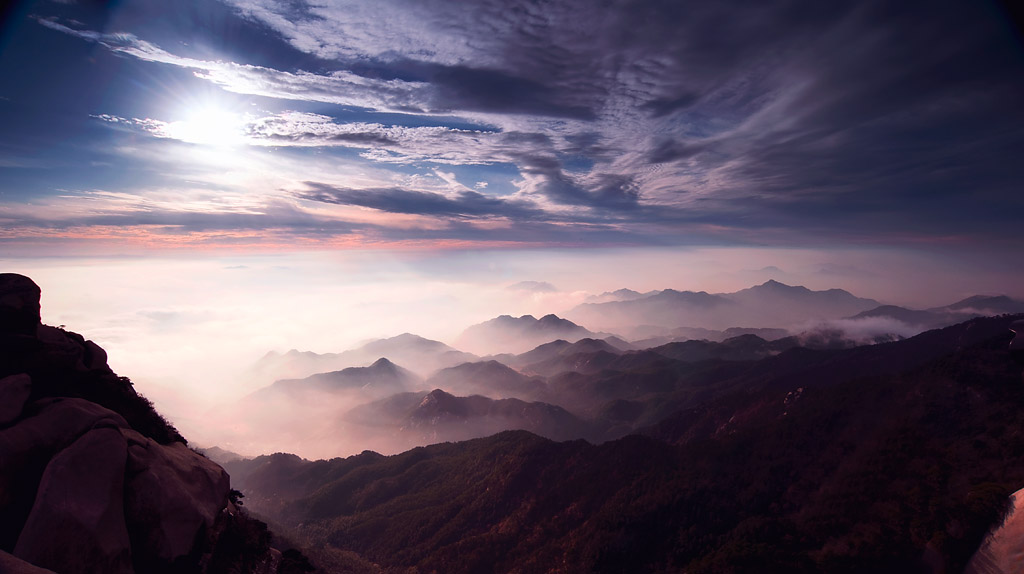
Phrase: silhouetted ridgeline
(92, 479)
(889, 458)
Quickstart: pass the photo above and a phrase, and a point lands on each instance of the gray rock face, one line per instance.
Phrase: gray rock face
(19, 304)
(77, 522)
(14, 391)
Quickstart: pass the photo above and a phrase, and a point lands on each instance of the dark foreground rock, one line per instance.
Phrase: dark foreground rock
(92, 478)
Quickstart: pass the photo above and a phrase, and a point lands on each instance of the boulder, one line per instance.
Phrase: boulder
(95, 357)
(19, 304)
(77, 523)
(172, 498)
(62, 352)
(51, 425)
(47, 427)
(14, 391)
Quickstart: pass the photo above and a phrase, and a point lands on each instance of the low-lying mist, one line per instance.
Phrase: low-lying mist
(199, 335)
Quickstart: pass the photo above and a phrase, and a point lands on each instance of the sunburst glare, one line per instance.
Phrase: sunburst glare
(209, 125)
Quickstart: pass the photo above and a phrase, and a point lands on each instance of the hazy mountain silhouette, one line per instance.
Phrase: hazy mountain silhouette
(507, 334)
(769, 305)
(651, 336)
(381, 378)
(561, 348)
(406, 420)
(742, 348)
(420, 355)
(442, 417)
(304, 411)
(936, 317)
(618, 295)
(908, 316)
(889, 458)
(487, 378)
(984, 305)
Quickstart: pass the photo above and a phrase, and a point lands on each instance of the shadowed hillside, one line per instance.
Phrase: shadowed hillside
(888, 458)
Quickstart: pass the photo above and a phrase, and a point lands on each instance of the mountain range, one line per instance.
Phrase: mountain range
(771, 304)
(614, 386)
(745, 454)
(935, 317)
(507, 334)
(420, 355)
(896, 457)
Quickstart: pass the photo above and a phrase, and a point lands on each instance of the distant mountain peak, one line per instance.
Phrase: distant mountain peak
(774, 285)
(408, 337)
(988, 300)
(405, 341)
(438, 403)
(383, 363)
(772, 304)
(510, 334)
(552, 320)
(437, 395)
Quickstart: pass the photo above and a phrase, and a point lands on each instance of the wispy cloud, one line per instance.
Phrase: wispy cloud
(460, 204)
(340, 87)
(659, 119)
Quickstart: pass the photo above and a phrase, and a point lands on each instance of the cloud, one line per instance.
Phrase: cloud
(665, 121)
(862, 331)
(338, 87)
(461, 204)
(533, 287)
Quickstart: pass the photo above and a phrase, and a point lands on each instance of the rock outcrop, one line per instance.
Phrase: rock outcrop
(19, 304)
(14, 391)
(1002, 552)
(92, 479)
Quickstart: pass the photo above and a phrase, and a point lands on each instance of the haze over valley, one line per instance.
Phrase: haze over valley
(539, 372)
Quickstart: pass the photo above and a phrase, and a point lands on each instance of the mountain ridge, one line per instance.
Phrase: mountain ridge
(508, 334)
(769, 305)
(779, 476)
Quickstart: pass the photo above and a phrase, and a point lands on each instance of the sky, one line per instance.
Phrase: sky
(133, 125)
(233, 176)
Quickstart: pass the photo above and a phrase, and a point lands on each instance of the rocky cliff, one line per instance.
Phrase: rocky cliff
(92, 478)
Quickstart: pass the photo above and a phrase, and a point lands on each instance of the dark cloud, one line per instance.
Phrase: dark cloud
(663, 106)
(494, 91)
(395, 200)
(671, 150)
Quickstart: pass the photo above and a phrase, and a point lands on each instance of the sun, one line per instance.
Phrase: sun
(209, 126)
